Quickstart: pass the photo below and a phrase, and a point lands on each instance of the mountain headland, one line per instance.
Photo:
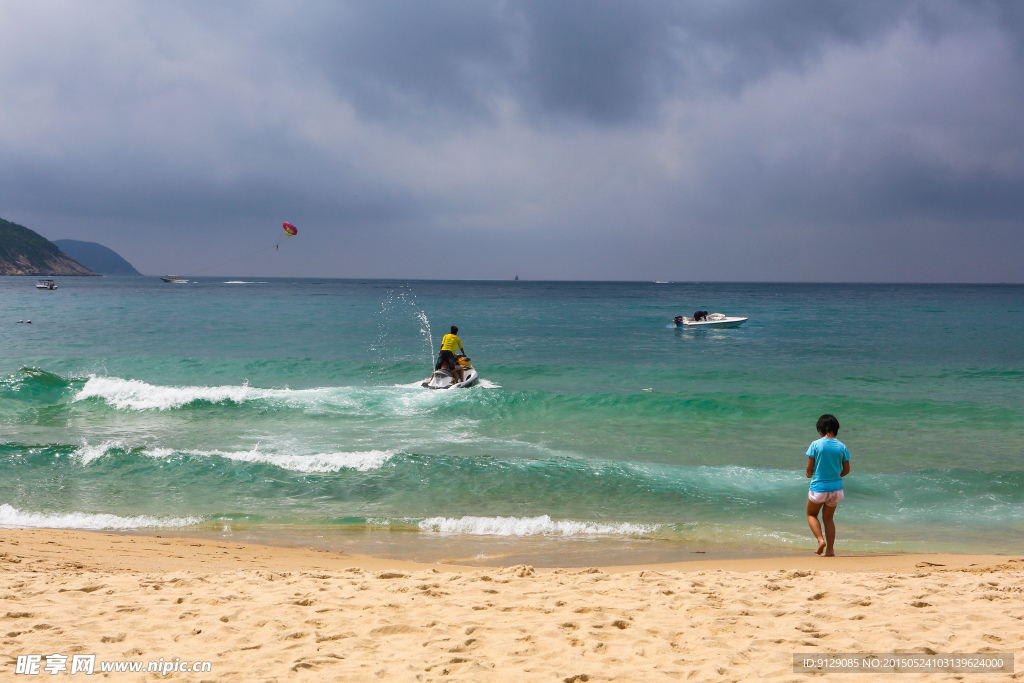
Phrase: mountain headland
(26, 252)
(96, 257)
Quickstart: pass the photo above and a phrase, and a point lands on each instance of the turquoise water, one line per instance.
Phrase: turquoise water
(288, 411)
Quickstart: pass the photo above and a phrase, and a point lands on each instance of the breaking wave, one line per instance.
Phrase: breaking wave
(133, 394)
(362, 461)
(11, 517)
(533, 526)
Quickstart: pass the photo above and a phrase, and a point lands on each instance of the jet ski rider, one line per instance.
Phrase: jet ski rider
(449, 345)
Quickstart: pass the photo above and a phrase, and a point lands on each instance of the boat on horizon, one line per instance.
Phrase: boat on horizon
(46, 284)
(717, 320)
(173, 278)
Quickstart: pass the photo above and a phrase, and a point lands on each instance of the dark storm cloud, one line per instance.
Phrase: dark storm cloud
(602, 60)
(648, 131)
(408, 59)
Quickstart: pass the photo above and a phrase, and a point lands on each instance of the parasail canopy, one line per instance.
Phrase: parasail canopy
(290, 229)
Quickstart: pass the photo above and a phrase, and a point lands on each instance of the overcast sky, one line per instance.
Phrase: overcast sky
(718, 140)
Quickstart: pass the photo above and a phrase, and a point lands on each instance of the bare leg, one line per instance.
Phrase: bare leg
(830, 530)
(812, 521)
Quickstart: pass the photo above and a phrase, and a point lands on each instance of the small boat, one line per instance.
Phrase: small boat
(717, 320)
(46, 284)
(443, 379)
(173, 278)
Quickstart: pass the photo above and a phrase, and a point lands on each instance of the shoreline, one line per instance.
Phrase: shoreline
(267, 613)
(117, 551)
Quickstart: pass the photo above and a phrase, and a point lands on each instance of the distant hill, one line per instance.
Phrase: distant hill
(26, 252)
(96, 257)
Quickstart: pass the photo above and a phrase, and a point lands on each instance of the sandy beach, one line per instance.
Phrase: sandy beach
(259, 613)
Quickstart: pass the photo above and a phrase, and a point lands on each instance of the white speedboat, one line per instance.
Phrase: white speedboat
(46, 284)
(443, 379)
(174, 278)
(717, 320)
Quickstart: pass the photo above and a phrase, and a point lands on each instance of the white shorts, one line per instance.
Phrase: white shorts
(829, 498)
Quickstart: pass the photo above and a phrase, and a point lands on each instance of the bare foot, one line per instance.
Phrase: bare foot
(821, 547)
(830, 553)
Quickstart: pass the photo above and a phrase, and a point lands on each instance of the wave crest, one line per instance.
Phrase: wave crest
(362, 461)
(133, 394)
(12, 518)
(533, 526)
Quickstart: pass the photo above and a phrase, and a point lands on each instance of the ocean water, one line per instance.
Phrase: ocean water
(287, 411)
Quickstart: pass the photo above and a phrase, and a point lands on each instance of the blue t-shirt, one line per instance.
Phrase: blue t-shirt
(829, 456)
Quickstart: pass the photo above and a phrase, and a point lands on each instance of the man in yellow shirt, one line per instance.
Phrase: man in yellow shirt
(449, 345)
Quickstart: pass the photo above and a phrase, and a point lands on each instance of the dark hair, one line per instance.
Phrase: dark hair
(455, 330)
(828, 424)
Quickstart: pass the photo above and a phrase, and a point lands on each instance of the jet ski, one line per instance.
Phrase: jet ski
(443, 378)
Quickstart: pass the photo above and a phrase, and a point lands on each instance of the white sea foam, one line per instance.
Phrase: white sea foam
(482, 383)
(86, 453)
(362, 461)
(533, 526)
(133, 394)
(11, 517)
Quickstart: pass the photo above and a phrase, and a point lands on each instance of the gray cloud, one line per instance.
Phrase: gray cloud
(601, 60)
(630, 139)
